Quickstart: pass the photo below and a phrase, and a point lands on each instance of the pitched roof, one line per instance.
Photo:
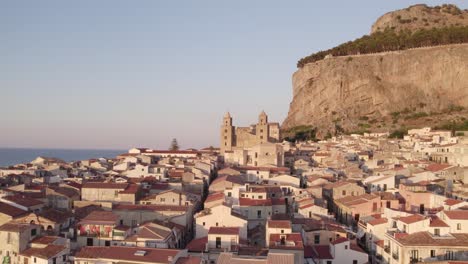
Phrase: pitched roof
(279, 224)
(45, 253)
(411, 219)
(339, 240)
(223, 230)
(457, 214)
(11, 210)
(104, 185)
(100, 217)
(426, 239)
(22, 200)
(128, 254)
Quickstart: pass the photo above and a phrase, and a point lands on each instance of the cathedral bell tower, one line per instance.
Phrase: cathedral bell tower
(227, 134)
(262, 130)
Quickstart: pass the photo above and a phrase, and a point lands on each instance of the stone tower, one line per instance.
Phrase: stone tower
(227, 133)
(262, 130)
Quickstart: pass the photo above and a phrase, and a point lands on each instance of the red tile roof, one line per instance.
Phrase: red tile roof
(438, 167)
(11, 210)
(46, 253)
(197, 244)
(104, 185)
(411, 219)
(223, 230)
(339, 240)
(215, 197)
(457, 214)
(437, 222)
(150, 207)
(279, 224)
(321, 252)
(451, 202)
(22, 200)
(127, 254)
(378, 221)
(100, 217)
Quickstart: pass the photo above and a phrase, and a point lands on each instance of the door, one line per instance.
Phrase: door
(89, 242)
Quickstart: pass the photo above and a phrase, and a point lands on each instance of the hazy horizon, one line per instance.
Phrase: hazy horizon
(112, 75)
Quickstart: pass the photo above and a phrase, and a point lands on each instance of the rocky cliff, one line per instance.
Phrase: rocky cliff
(422, 17)
(381, 92)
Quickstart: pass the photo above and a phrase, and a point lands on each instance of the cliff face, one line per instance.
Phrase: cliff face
(422, 17)
(365, 91)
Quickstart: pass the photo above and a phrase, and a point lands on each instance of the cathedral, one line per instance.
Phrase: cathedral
(246, 137)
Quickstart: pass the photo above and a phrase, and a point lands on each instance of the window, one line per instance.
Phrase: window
(354, 261)
(346, 247)
(437, 232)
(134, 222)
(216, 223)
(404, 228)
(107, 243)
(33, 232)
(343, 192)
(218, 242)
(458, 226)
(259, 214)
(162, 200)
(229, 194)
(35, 260)
(329, 262)
(282, 231)
(414, 254)
(449, 255)
(203, 223)
(116, 193)
(433, 253)
(260, 197)
(316, 239)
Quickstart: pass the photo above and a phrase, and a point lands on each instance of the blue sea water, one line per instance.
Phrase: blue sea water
(12, 156)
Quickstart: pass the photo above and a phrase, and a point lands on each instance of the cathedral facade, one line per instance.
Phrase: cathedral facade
(247, 137)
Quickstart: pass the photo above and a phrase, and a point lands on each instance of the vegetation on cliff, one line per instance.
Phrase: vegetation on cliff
(300, 133)
(390, 40)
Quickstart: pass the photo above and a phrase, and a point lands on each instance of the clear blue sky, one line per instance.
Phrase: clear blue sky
(116, 74)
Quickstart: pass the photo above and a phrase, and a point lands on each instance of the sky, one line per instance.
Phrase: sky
(115, 74)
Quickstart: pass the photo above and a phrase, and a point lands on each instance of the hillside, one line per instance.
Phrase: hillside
(421, 16)
(385, 91)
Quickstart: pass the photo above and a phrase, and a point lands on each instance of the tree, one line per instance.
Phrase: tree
(174, 145)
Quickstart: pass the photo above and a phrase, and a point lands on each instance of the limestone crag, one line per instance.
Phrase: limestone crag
(344, 90)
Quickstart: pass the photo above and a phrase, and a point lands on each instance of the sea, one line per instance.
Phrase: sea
(12, 156)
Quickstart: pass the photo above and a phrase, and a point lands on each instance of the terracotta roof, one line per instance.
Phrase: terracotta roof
(378, 221)
(14, 227)
(437, 222)
(224, 230)
(127, 254)
(457, 214)
(339, 240)
(11, 210)
(279, 224)
(451, 202)
(100, 217)
(321, 252)
(214, 197)
(150, 207)
(197, 244)
(411, 219)
(23, 201)
(104, 185)
(426, 239)
(44, 240)
(437, 167)
(189, 260)
(45, 253)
